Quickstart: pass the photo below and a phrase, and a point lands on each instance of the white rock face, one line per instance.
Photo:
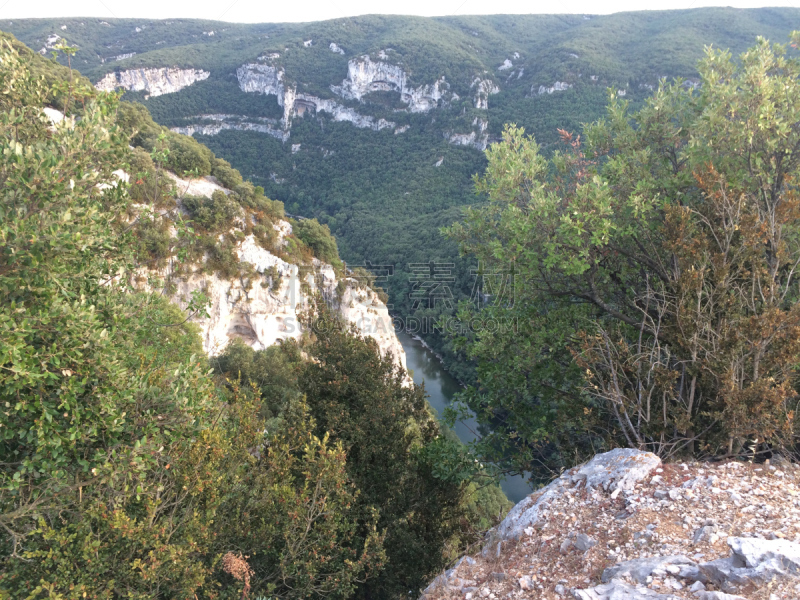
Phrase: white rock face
(334, 47)
(304, 103)
(269, 80)
(55, 116)
(265, 314)
(263, 79)
(49, 43)
(204, 186)
(365, 75)
(483, 89)
(507, 64)
(156, 82)
(477, 138)
(267, 311)
(558, 86)
(221, 122)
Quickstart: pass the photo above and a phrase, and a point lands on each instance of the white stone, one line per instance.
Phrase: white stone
(558, 86)
(617, 470)
(640, 569)
(617, 590)
(753, 560)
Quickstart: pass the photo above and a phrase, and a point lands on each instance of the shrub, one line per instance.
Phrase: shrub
(317, 237)
(226, 175)
(213, 215)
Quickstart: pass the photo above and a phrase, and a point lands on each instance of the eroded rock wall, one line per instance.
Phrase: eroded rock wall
(271, 305)
(156, 82)
(365, 76)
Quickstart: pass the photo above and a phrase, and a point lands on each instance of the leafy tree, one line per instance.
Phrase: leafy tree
(655, 272)
(390, 437)
(89, 422)
(292, 510)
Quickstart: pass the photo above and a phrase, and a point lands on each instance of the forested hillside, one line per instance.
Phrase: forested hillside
(132, 465)
(387, 164)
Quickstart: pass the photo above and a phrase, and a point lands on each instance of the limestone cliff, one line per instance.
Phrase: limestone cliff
(270, 80)
(478, 138)
(156, 82)
(268, 306)
(558, 86)
(214, 123)
(483, 89)
(365, 75)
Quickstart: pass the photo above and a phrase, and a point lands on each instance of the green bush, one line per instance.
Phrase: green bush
(188, 156)
(226, 175)
(140, 162)
(317, 237)
(213, 215)
(126, 471)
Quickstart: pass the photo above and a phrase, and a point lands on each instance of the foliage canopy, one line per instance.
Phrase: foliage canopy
(655, 266)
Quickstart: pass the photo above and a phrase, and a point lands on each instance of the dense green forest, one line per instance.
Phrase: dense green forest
(131, 464)
(385, 196)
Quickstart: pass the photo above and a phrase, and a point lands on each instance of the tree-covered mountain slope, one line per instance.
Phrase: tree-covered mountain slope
(139, 463)
(375, 125)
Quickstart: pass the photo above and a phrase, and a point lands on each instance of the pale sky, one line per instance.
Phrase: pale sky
(272, 11)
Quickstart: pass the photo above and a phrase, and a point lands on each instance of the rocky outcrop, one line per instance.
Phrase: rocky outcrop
(558, 86)
(270, 80)
(307, 104)
(365, 76)
(264, 311)
(626, 527)
(119, 57)
(478, 138)
(483, 89)
(269, 306)
(50, 43)
(156, 82)
(262, 79)
(612, 472)
(753, 561)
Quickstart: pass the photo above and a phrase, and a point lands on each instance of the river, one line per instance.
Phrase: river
(441, 387)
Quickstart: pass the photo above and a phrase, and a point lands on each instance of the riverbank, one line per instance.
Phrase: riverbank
(426, 369)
